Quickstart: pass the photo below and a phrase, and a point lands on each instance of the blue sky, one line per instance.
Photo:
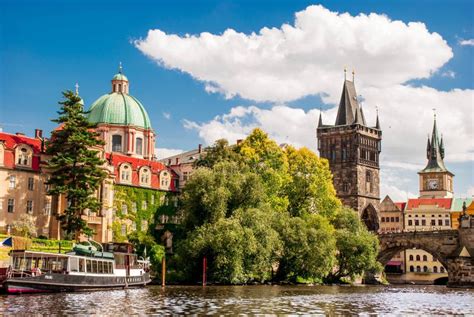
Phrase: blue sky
(48, 46)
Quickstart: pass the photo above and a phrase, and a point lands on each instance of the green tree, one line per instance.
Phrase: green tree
(146, 246)
(25, 226)
(310, 189)
(75, 164)
(357, 247)
(219, 152)
(309, 248)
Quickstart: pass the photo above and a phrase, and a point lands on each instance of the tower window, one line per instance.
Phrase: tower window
(29, 206)
(368, 181)
(117, 143)
(139, 146)
(11, 205)
(31, 183)
(12, 181)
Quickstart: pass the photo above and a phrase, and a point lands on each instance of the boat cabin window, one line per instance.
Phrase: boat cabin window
(82, 265)
(74, 264)
(89, 266)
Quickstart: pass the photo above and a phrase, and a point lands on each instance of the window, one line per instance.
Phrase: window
(441, 269)
(435, 269)
(410, 222)
(345, 187)
(433, 222)
(144, 205)
(124, 230)
(145, 176)
(47, 208)
(152, 199)
(412, 269)
(423, 222)
(383, 219)
(139, 146)
(417, 222)
(134, 206)
(144, 225)
(440, 222)
(29, 206)
(124, 209)
(418, 268)
(392, 219)
(418, 257)
(368, 181)
(425, 258)
(11, 205)
(23, 155)
(31, 183)
(397, 219)
(411, 257)
(125, 171)
(116, 143)
(12, 181)
(165, 180)
(446, 222)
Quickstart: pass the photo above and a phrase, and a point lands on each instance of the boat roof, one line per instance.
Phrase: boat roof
(59, 255)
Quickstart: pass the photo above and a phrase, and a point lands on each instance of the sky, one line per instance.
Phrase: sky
(206, 70)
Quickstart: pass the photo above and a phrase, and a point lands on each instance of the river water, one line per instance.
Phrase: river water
(316, 300)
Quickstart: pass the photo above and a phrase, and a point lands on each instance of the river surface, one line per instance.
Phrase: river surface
(316, 300)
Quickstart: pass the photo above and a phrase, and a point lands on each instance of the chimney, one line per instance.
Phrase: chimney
(239, 141)
(177, 160)
(38, 134)
(199, 148)
(20, 133)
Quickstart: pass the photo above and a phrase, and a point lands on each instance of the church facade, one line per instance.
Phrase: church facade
(352, 148)
(137, 187)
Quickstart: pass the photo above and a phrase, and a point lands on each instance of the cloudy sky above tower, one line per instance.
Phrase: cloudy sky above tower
(220, 69)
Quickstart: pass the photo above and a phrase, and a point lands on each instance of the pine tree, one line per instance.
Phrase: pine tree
(75, 164)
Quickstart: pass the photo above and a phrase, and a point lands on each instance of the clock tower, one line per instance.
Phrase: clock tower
(435, 180)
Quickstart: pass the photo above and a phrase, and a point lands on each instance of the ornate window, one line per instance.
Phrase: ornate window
(125, 173)
(412, 269)
(165, 180)
(24, 155)
(411, 257)
(145, 176)
(418, 268)
(116, 143)
(425, 269)
(425, 257)
(435, 269)
(139, 146)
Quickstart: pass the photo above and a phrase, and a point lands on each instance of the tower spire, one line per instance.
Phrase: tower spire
(345, 73)
(120, 67)
(435, 151)
(377, 122)
(77, 89)
(353, 75)
(320, 123)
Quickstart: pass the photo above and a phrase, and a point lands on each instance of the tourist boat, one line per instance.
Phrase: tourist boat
(85, 268)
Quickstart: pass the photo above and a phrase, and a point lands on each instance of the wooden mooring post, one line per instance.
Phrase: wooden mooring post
(163, 272)
(204, 266)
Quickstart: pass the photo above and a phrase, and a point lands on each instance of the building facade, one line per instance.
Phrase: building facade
(352, 149)
(137, 190)
(183, 164)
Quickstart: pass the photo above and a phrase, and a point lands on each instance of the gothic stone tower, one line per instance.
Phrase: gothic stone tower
(435, 180)
(353, 149)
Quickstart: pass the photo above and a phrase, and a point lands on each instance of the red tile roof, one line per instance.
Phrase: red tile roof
(11, 141)
(401, 205)
(439, 202)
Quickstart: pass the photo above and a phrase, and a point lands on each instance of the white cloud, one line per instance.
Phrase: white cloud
(469, 42)
(293, 61)
(449, 74)
(167, 115)
(162, 153)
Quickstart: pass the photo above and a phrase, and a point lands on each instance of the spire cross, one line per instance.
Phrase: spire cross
(377, 110)
(120, 67)
(434, 112)
(77, 89)
(345, 72)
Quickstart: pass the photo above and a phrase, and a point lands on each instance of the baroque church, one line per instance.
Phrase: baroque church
(138, 187)
(352, 148)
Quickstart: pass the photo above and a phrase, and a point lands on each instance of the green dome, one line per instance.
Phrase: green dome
(120, 76)
(121, 109)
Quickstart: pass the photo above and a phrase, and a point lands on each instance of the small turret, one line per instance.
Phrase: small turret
(320, 123)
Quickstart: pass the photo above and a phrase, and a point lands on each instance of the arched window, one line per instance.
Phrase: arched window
(383, 219)
(411, 257)
(139, 146)
(24, 156)
(435, 269)
(125, 173)
(418, 268)
(165, 180)
(368, 181)
(145, 176)
(425, 269)
(425, 258)
(116, 143)
(412, 269)
(418, 257)
(441, 269)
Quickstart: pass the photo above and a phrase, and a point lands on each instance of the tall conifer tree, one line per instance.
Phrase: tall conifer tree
(75, 164)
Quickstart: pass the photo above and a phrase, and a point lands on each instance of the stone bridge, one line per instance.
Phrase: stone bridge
(453, 248)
